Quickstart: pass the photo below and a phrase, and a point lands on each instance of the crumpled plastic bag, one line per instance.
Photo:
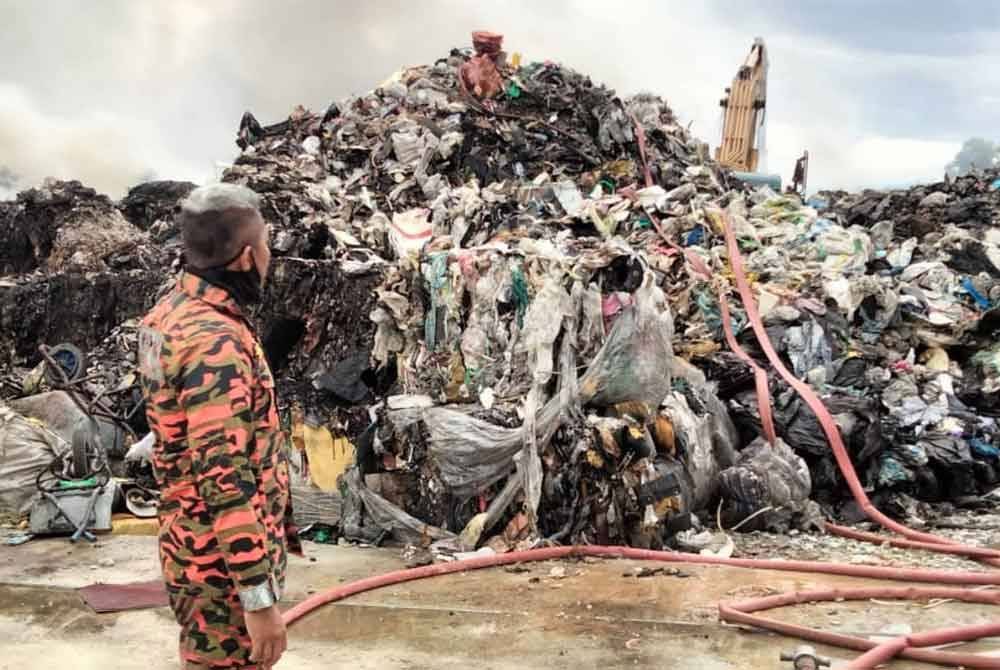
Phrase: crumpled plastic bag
(987, 362)
(409, 232)
(635, 362)
(698, 437)
(808, 348)
(843, 251)
(27, 447)
(471, 454)
(387, 516)
(542, 323)
(769, 476)
(633, 366)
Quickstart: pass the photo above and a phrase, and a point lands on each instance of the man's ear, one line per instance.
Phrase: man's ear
(245, 262)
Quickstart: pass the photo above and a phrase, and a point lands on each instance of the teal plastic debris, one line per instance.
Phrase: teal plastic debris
(983, 449)
(436, 274)
(892, 472)
(78, 484)
(708, 305)
(521, 299)
(988, 359)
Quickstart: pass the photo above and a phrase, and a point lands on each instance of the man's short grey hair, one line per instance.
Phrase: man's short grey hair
(220, 198)
(217, 221)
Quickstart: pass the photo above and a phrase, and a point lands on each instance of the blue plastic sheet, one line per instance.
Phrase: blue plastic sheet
(819, 227)
(695, 237)
(817, 203)
(982, 302)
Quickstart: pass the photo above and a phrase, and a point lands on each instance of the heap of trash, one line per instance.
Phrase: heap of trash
(489, 327)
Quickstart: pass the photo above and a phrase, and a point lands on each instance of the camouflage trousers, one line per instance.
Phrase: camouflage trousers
(213, 632)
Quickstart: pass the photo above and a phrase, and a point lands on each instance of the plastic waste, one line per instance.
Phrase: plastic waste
(389, 517)
(569, 197)
(409, 232)
(634, 363)
(983, 449)
(652, 197)
(892, 472)
(936, 199)
(345, 380)
(982, 302)
(808, 348)
(769, 476)
(27, 448)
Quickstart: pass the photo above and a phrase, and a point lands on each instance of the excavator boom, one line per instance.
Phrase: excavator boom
(744, 112)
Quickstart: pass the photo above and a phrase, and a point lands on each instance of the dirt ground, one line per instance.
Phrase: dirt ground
(590, 614)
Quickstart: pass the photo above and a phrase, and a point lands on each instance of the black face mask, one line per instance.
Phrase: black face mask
(246, 288)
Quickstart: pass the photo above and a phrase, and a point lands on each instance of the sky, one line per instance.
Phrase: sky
(118, 91)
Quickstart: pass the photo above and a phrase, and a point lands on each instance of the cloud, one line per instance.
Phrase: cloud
(117, 88)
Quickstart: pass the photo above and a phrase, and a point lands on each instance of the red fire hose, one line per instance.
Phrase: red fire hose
(904, 646)
(878, 653)
(743, 612)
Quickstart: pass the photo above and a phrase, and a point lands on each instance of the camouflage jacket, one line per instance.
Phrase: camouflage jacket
(225, 511)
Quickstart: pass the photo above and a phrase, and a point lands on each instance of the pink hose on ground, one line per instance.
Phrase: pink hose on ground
(741, 612)
(904, 646)
(553, 553)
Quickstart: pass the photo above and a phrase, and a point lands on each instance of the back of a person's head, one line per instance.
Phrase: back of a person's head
(217, 221)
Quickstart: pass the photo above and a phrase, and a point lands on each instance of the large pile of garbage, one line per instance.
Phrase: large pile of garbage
(484, 288)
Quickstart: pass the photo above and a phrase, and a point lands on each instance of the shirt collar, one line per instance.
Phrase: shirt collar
(199, 289)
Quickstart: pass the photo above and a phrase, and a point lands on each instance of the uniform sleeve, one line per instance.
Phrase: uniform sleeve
(217, 400)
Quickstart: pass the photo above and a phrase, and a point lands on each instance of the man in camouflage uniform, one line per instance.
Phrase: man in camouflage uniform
(225, 513)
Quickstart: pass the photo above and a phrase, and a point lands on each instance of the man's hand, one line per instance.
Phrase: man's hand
(267, 632)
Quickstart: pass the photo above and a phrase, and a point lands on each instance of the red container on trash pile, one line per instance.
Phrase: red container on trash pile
(487, 43)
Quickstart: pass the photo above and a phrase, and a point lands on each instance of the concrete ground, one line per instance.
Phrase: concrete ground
(578, 615)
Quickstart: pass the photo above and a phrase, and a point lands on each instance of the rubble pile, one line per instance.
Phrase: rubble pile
(151, 206)
(67, 226)
(483, 284)
(121, 257)
(915, 376)
(506, 234)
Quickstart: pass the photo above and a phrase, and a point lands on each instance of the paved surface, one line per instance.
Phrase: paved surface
(579, 615)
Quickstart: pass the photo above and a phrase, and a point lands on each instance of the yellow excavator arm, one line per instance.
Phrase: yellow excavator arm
(744, 112)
